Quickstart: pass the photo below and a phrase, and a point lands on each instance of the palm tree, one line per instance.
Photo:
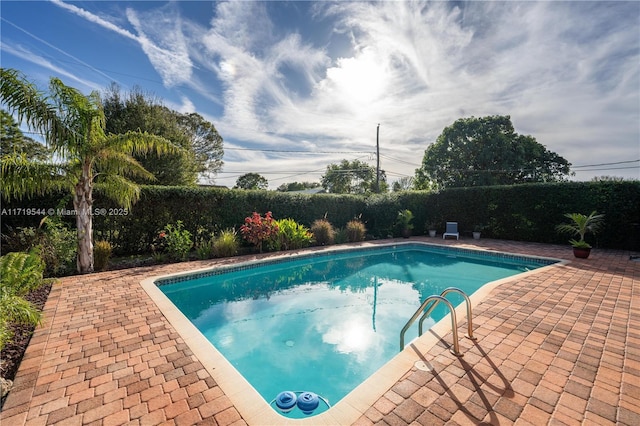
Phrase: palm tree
(86, 158)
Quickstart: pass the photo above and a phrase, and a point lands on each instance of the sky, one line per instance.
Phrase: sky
(295, 86)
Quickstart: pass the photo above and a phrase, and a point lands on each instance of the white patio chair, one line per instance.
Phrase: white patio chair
(451, 230)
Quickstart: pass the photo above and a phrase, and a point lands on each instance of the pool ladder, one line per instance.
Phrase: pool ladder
(434, 300)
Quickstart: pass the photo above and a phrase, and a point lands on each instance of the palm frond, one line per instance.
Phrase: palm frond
(581, 224)
(30, 104)
(113, 162)
(119, 189)
(83, 119)
(24, 178)
(20, 272)
(140, 143)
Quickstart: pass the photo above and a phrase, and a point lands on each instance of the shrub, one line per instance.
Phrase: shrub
(356, 231)
(158, 247)
(204, 244)
(226, 244)
(204, 249)
(291, 235)
(257, 229)
(178, 241)
(341, 236)
(323, 232)
(101, 254)
(19, 239)
(20, 273)
(57, 245)
(59, 248)
(159, 257)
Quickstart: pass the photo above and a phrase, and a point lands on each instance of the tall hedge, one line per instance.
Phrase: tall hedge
(531, 212)
(518, 212)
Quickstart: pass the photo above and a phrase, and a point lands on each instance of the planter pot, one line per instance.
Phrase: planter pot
(581, 253)
(432, 233)
(406, 233)
(476, 235)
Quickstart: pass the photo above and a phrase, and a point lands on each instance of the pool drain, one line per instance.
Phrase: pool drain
(290, 343)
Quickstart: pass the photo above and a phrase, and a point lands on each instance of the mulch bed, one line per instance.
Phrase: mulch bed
(12, 353)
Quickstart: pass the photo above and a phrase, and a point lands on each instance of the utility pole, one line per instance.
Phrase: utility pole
(378, 158)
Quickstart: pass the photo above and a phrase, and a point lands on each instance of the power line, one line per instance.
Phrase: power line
(346, 171)
(607, 164)
(313, 171)
(296, 151)
(399, 160)
(58, 49)
(609, 168)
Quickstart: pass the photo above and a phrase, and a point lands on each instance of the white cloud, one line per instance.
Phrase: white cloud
(185, 106)
(94, 18)
(249, 60)
(566, 72)
(162, 40)
(159, 35)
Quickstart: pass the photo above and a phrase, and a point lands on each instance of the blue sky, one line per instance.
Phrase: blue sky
(277, 78)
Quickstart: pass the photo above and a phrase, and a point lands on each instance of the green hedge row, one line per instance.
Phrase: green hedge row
(531, 212)
(519, 212)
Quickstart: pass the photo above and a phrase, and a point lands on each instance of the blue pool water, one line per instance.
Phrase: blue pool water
(324, 323)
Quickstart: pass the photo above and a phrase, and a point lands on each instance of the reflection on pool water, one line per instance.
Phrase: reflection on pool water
(324, 323)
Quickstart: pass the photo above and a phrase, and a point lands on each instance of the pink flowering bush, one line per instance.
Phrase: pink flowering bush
(175, 241)
(257, 229)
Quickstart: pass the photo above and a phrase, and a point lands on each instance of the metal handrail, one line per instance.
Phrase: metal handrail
(446, 291)
(434, 300)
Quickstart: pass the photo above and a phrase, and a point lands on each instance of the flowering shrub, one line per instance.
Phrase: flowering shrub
(159, 247)
(176, 240)
(257, 229)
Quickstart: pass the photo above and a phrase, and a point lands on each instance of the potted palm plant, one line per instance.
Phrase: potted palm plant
(403, 221)
(579, 226)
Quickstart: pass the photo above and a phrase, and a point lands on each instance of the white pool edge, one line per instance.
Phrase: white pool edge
(252, 406)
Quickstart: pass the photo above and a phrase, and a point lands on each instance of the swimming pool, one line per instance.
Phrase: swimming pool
(325, 322)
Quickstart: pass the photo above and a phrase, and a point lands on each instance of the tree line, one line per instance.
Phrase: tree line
(475, 151)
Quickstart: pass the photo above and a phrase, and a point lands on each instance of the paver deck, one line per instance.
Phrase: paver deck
(561, 347)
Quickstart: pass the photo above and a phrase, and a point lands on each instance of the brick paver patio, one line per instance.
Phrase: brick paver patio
(561, 347)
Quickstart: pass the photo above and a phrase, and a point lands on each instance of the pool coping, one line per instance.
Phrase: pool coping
(252, 406)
